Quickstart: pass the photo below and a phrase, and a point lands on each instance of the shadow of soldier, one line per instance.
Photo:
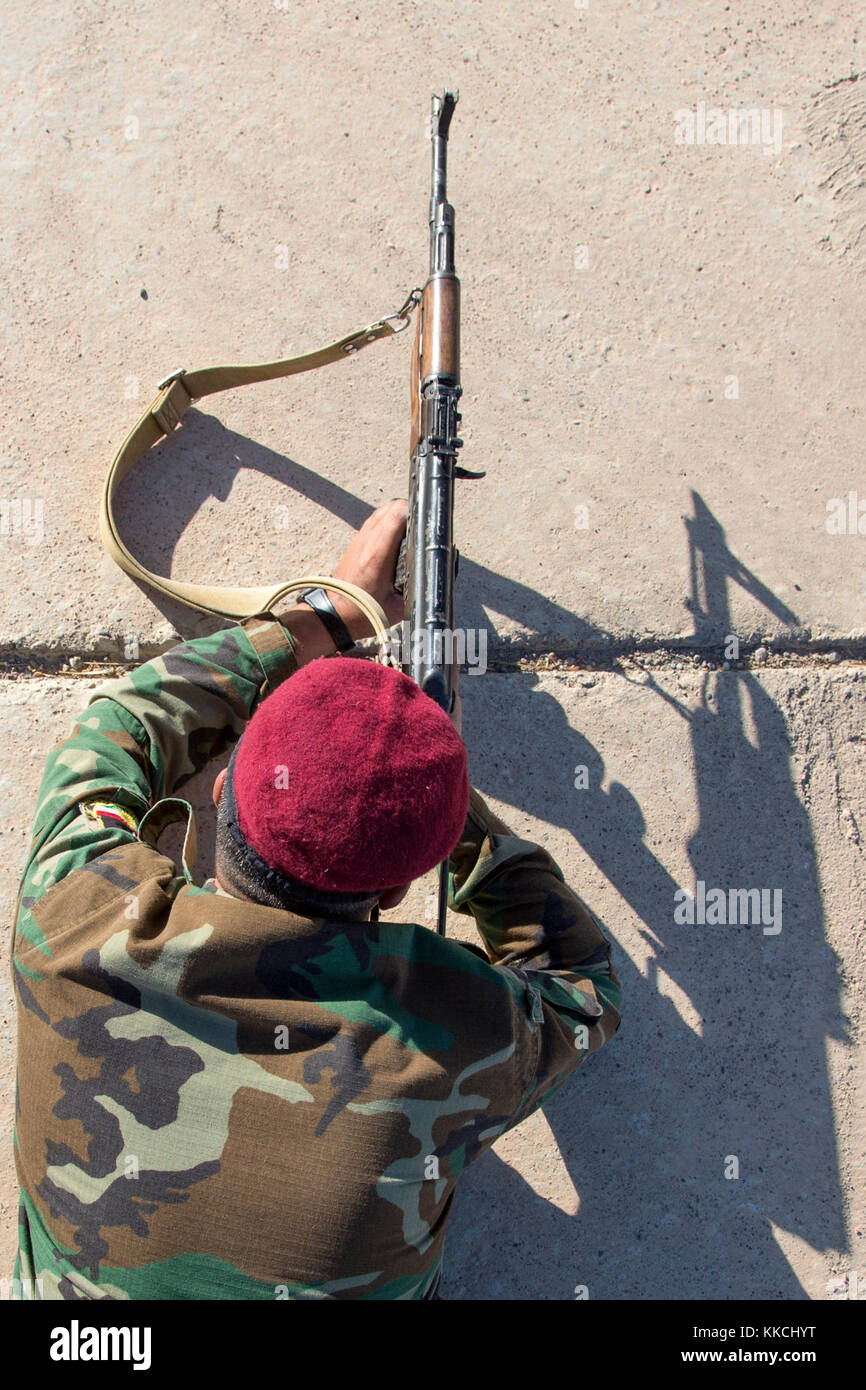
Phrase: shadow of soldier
(653, 1130)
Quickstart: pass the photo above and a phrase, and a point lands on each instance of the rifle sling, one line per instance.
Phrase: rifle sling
(176, 394)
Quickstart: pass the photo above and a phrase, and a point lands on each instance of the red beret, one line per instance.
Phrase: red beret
(349, 778)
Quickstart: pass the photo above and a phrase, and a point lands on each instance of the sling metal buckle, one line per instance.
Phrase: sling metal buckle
(404, 313)
(172, 376)
(368, 334)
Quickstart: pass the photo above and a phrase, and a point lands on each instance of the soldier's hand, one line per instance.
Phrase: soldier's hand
(369, 562)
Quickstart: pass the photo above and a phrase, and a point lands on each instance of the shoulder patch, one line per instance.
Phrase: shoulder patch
(109, 814)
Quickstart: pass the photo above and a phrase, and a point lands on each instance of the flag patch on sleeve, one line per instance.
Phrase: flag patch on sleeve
(106, 813)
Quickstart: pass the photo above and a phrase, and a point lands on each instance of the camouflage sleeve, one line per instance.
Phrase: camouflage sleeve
(533, 925)
(138, 740)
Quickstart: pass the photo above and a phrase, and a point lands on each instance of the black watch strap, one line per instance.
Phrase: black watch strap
(324, 608)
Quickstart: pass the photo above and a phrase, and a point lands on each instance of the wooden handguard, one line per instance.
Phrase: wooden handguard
(440, 328)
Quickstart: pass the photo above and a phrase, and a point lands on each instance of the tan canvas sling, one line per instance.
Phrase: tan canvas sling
(176, 394)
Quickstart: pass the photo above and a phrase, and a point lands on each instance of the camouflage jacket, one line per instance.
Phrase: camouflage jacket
(218, 1099)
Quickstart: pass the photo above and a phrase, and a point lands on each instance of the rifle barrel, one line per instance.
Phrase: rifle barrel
(441, 211)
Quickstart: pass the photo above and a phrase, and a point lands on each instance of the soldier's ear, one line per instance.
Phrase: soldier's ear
(219, 783)
(392, 896)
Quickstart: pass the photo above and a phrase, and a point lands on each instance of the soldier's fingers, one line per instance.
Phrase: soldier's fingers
(390, 522)
(390, 514)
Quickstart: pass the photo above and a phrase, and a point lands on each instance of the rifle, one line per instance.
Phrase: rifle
(428, 559)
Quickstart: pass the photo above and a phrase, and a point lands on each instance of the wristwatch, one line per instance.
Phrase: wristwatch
(325, 610)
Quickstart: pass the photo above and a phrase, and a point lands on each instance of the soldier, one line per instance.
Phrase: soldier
(254, 1088)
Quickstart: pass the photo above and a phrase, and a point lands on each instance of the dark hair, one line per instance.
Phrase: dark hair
(238, 865)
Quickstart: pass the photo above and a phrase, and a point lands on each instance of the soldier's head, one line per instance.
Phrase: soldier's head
(347, 784)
